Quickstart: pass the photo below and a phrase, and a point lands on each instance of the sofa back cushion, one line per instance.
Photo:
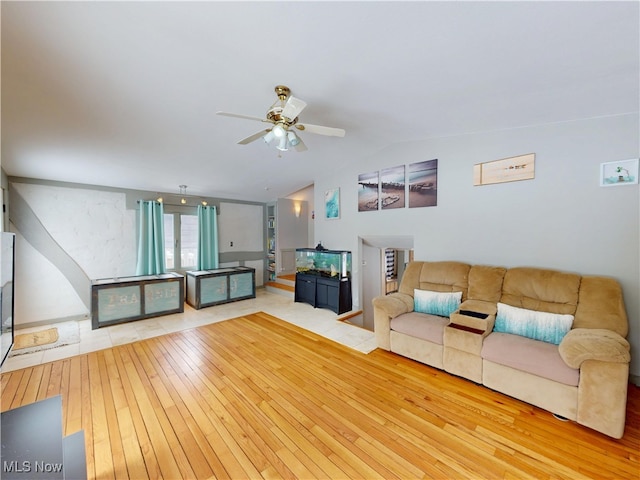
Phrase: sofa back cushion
(601, 305)
(541, 289)
(410, 278)
(436, 277)
(485, 283)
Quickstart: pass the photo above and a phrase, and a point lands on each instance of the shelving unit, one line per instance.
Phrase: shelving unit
(271, 243)
(391, 270)
(286, 228)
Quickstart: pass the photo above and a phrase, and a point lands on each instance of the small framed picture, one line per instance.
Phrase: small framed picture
(332, 204)
(624, 172)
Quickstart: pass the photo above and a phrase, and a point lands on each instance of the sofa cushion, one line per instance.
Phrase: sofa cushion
(601, 305)
(540, 289)
(532, 356)
(485, 283)
(436, 303)
(436, 276)
(420, 325)
(543, 326)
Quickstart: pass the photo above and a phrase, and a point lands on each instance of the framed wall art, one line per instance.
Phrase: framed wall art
(392, 187)
(510, 169)
(423, 184)
(368, 196)
(624, 172)
(332, 204)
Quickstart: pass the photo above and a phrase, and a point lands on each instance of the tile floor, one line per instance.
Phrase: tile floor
(320, 321)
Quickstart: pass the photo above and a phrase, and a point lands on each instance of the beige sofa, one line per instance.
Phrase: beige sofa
(583, 378)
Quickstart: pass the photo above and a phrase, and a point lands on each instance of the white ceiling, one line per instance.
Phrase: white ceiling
(124, 94)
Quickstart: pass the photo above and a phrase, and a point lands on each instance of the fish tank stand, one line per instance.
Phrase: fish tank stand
(323, 279)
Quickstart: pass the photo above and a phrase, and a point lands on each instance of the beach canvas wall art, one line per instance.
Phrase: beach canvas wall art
(624, 172)
(368, 186)
(510, 169)
(392, 188)
(423, 184)
(332, 204)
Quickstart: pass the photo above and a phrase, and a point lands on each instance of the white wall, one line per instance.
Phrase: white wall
(562, 219)
(307, 195)
(239, 220)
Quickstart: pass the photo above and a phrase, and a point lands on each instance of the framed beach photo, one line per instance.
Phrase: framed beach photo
(392, 187)
(332, 204)
(368, 191)
(423, 183)
(624, 172)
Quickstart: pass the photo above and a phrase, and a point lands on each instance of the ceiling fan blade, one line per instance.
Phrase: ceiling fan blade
(300, 147)
(334, 132)
(253, 137)
(293, 107)
(238, 115)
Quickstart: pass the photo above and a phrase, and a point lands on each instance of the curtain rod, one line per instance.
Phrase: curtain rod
(217, 207)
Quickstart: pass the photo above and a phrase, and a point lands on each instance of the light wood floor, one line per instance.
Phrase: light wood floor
(256, 397)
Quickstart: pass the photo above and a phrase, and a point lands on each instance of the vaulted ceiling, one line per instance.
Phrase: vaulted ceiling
(124, 94)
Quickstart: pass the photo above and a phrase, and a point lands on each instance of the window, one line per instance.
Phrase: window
(180, 240)
(188, 240)
(169, 241)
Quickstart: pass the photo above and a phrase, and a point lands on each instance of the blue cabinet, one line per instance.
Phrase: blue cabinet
(125, 299)
(206, 288)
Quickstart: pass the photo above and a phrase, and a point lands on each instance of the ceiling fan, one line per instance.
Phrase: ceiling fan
(283, 114)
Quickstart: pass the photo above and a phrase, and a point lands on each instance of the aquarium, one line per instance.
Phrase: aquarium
(326, 263)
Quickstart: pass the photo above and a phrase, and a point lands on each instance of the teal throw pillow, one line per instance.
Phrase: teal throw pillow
(442, 304)
(543, 326)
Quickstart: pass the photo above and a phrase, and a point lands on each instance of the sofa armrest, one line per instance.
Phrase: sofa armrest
(384, 309)
(394, 304)
(582, 344)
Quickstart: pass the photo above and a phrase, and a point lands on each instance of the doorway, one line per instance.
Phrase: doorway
(379, 254)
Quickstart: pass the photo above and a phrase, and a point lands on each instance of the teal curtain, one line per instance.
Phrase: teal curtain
(207, 238)
(151, 239)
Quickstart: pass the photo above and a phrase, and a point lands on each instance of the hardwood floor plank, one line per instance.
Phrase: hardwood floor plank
(20, 388)
(55, 379)
(177, 413)
(257, 397)
(142, 461)
(115, 436)
(31, 392)
(100, 425)
(167, 449)
(73, 422)
(87, 420)
(230, 452)
(10, 382)
(44, 382)
(196, 418)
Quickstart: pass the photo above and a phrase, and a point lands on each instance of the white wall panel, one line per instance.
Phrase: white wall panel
(242, 225)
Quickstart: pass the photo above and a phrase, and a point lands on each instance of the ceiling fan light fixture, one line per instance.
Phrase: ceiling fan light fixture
(268, 138)
(279, 131)
(283, 117)
(293, 139)
(282, 146)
